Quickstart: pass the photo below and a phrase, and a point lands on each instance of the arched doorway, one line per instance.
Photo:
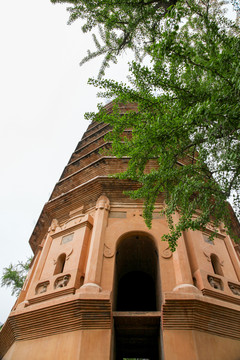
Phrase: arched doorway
(137, 298)
(136, 292)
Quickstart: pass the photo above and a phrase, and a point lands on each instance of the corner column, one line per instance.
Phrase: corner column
(183, 274)
(95, 257)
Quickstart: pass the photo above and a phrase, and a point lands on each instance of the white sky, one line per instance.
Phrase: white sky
(44, 95)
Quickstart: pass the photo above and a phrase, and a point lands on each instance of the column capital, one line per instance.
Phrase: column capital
(103, 203)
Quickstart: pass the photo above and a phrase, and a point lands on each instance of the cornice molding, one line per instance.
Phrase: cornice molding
(68, 316)
(193, 314)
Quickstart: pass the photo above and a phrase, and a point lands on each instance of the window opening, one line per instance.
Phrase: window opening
(60, 264)
(217, 268)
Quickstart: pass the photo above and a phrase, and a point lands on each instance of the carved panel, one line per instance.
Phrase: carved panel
(234, 288)
(215, 282)
(62, 281)
(42, 287)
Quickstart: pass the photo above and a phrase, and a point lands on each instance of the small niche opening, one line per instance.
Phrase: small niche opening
(60, 264)
(217, 268)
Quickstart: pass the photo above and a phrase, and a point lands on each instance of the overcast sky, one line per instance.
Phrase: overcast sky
(44, 95)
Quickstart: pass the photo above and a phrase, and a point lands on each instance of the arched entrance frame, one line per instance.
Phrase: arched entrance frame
(146, 261)
(137, 330)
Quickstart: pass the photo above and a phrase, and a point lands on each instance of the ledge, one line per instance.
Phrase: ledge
(77, 314)
(191, 313)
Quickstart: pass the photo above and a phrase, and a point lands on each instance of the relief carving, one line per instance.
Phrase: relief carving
(215, 283)
(166, 253)
(207, 252)
(212, 228)
(108, 252)
(73, 221)
(53, 225)
(41, 288)
(69, 254)
(103, 203)
(234, 288)
(62, 281)
(216, 231)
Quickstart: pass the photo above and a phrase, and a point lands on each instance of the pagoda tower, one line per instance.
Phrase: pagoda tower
(104, 286)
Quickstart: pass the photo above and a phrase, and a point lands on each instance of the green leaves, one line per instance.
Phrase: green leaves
(185, 138)
(123, 24)
(14, 276)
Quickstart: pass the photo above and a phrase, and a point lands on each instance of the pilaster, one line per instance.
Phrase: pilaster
(95, 257)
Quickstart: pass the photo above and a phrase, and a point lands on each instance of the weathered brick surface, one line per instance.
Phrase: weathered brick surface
(93, 136)
(93, 128)
(90, 152)
(90, 146)
(103, 166)
(85, 160)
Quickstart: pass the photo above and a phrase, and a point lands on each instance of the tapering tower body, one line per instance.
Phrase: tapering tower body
(104, 286)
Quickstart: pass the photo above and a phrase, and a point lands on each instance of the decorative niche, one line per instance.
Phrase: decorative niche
(235, 289)
(215, 282)
(42, 287)
(61, 281)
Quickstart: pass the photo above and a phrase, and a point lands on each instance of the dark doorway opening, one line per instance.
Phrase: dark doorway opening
(137, 337)
(136, 292)
(137, 299)
(137, 281)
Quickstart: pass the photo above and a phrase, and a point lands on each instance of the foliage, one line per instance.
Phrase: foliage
(15, 275)
(189, 114)
(122, 24)
(188, 102)
(125, 24)
(236, 5)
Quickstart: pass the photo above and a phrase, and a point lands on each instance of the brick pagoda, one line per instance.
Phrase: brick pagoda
(103, 286)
